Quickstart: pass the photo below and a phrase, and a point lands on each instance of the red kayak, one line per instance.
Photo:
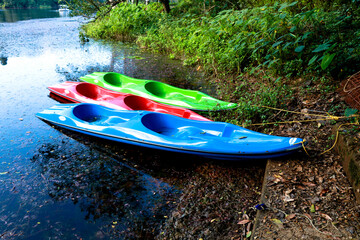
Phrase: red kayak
(83, 92)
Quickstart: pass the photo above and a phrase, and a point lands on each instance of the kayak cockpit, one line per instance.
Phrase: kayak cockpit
(113, 79)
(178, 128)
(88, 90)
(98, 115)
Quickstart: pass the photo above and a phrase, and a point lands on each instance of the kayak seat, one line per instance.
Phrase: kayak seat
(113, 79)
(97, 115)
(87, 112)
(88, 90)
(186, 114)
(156, 88)
(138, 103)
(171, 126)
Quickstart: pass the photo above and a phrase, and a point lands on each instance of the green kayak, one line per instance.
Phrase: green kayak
(157, 91)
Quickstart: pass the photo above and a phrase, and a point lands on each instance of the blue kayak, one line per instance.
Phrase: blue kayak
(162, 131)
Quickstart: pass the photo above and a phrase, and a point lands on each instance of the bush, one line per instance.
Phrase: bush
(125, 21)
(273, 37)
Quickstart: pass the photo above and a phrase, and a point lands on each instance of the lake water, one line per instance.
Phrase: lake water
(52, 186)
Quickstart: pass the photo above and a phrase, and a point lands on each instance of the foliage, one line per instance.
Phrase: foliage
(125, 20)
(291, 39)
(313, 41)
(86, 7)
(213, 7)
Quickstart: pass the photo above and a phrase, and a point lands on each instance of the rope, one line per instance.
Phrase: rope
(325, 118)
(310, 114)
(337, 135)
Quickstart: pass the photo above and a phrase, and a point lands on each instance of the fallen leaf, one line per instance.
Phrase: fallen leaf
(278, 222)
(287, 198)
(290, 216)
(327, 217)
(243, 221)
(312, 208)
(309, 184)
(324, 191)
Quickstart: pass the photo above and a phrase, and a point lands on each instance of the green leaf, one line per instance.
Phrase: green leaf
(306, 35)
(322, 47)
(350, 111)
(278, 222)
(277, 44)
(286, 45)
(248, 234)
(285, 5)
(293, 29)
(312, 208)
(327, 60)
(299, 48)
(312, 60)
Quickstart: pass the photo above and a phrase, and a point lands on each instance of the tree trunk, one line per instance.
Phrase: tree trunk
(166, 4)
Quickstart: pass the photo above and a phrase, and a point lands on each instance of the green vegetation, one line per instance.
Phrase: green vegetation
(125, 21)
(271, 37)
(316, 41)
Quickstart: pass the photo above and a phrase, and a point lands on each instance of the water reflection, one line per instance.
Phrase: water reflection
(14, 15)
(131, 202)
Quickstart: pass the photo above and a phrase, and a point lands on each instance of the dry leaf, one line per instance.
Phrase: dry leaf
(327, 217)
(245, 221)
(309, 184)
(290, 216)
(278, 222)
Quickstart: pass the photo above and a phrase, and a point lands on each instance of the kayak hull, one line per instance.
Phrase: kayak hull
(83, 92)
(157, 91)
(216, 140)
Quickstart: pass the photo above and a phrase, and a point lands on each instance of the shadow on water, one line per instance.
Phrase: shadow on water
(104, 189)
(14, 15)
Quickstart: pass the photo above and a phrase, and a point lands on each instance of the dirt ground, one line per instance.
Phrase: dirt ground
(306, 195)
(310, 196)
